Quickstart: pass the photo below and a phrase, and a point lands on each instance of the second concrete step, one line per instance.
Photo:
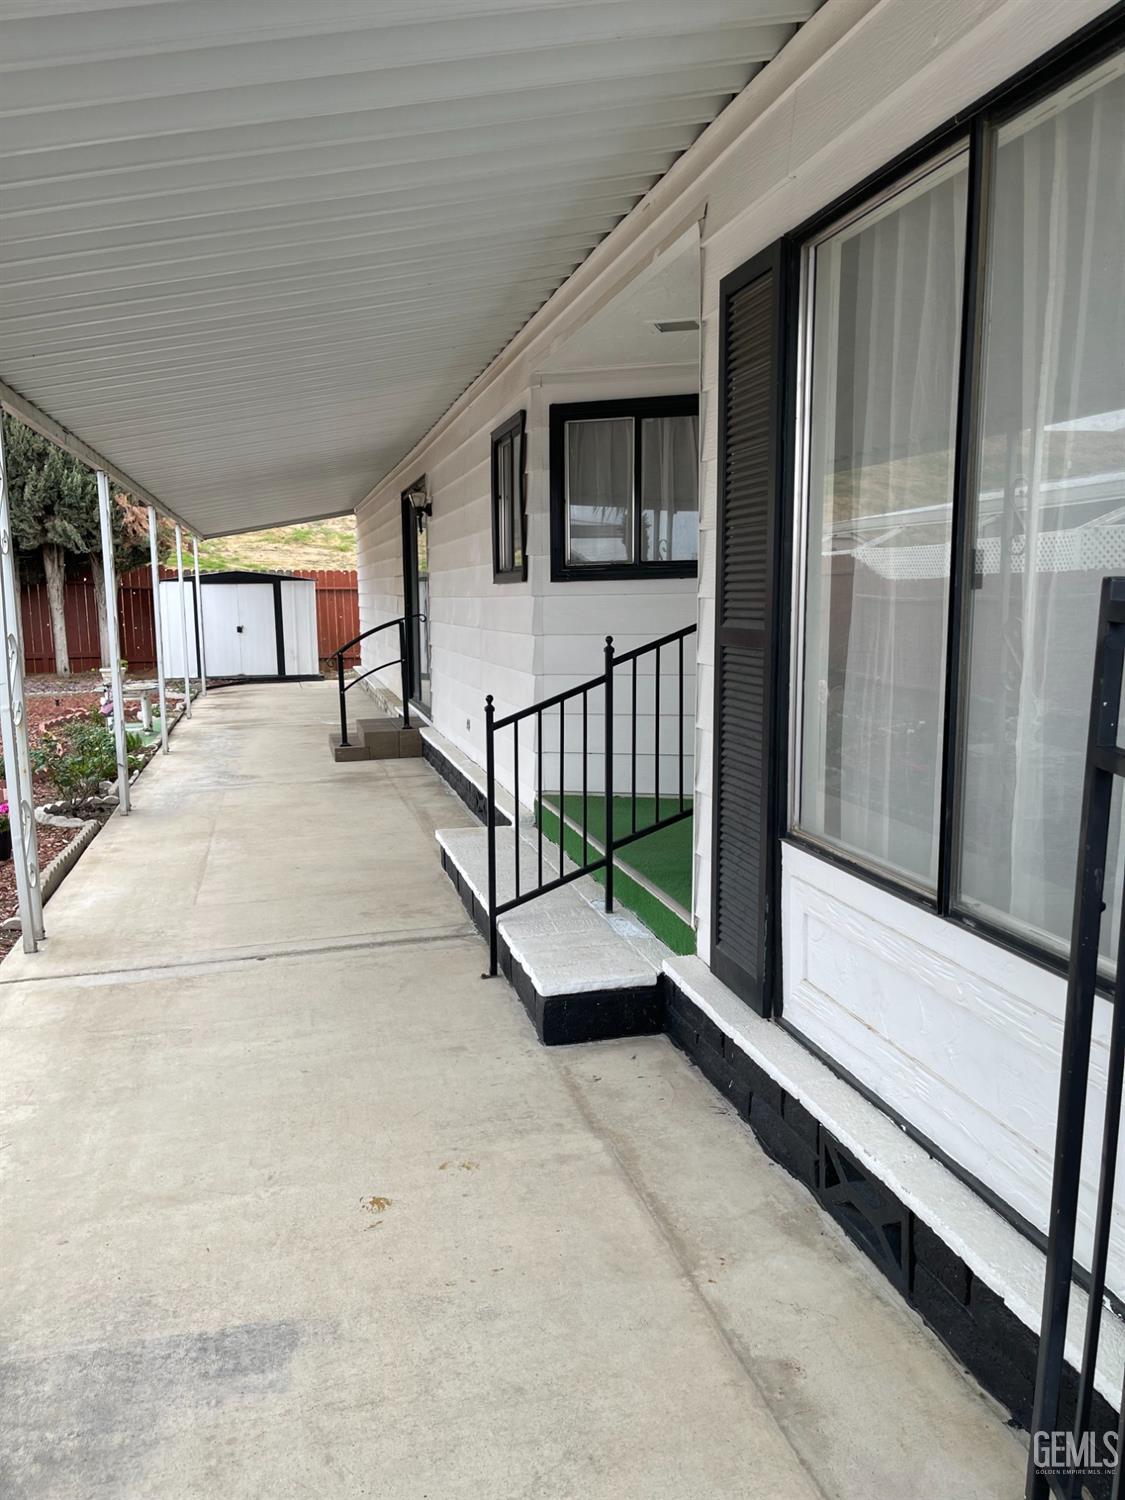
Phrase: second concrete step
(381, 738)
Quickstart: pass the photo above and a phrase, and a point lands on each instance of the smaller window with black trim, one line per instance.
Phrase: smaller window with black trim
(625, 488)
(509, 504)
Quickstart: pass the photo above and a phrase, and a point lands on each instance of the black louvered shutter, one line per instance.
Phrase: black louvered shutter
(749, 413)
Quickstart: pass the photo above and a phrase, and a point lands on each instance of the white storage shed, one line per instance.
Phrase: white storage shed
(255, 625)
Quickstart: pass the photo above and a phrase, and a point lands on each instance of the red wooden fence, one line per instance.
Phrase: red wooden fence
(337, 612)
(337, 619)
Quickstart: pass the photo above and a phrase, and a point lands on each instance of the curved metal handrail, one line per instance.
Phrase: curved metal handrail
(375, 629)
(401, 659)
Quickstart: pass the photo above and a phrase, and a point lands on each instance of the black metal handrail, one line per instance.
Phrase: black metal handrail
(1051, 1468)
(402, 658)
(612, 840)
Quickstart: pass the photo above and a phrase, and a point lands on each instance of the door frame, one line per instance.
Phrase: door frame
(412, 666)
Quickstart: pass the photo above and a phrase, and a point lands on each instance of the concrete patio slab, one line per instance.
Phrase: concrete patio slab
(295, 1205)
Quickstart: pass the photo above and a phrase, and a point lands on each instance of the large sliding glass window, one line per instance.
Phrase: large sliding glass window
(1036, 511)
(884, 313)
(1049, 500)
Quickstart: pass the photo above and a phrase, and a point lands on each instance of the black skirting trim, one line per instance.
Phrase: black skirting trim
(993, 1344)
(469, 793)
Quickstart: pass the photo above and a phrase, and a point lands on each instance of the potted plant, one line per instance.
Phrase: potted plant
(5, 833)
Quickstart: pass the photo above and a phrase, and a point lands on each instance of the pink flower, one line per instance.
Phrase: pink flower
(3, 809)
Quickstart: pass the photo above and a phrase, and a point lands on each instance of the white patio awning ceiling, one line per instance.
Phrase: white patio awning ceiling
(250, 250)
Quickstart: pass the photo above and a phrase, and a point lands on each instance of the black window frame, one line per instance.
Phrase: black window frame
(637, 408)
(977, 125)
(516, 429)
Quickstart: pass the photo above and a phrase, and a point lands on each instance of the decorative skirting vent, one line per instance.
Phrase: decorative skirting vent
(864, 1208)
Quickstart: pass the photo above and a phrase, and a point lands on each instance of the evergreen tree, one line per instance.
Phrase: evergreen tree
(54, 506)
(44, 490)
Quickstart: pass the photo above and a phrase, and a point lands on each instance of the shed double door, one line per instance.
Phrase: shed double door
(240, 630)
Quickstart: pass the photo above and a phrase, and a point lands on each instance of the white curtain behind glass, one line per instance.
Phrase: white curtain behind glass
(1050, 511)
(887, 300)
(669, 489)
(505, 521)
(599, 490)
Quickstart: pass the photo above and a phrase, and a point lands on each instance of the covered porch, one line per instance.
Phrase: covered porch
(297, 1205)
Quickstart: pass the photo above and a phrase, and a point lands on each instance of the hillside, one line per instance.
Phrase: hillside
(315, 545)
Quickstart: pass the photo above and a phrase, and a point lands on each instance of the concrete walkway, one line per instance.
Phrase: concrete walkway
(294, 1205)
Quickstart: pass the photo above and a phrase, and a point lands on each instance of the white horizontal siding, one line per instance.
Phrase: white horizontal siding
(953, 1032)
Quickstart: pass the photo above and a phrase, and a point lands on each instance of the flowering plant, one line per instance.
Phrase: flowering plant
(5, 820)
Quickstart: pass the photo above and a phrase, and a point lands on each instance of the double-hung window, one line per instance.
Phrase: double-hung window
(509, 507)
(624, 488)
(967, 501)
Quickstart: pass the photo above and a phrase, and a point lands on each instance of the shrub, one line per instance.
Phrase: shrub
(78, 757)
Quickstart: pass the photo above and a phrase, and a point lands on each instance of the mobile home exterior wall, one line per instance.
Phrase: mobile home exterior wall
(519, 641)
(958, 1036)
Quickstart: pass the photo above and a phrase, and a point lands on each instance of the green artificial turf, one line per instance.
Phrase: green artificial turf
(664, 858)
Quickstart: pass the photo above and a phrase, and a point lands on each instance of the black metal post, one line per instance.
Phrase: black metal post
(562, 777)
(656, 744)
(609, 773)
(1103, 1219)
(407, 671)
(680, 740)
(516, 805)
(343, 706)
(585, 781)
(1078, 1025)
(490, 792)
(633, 745)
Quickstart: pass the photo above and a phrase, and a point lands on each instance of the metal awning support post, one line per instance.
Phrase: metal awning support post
(199, 621)
(158, 627)
(105, 517)
(13, 732)
(183, 620)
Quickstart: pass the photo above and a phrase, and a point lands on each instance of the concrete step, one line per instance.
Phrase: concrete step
(580, 973)
(354, 750)
(382, 738)
(386, 738)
